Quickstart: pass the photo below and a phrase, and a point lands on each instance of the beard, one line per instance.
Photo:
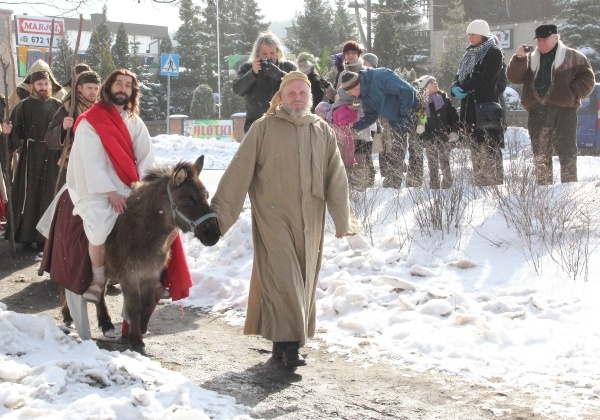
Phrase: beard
(41, 94)
(119, 98)
(298, 112)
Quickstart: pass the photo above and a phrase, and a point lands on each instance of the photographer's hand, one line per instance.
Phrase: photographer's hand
(273, 72)
(256, 67)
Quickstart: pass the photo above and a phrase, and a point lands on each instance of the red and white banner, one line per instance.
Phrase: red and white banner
(37, 30)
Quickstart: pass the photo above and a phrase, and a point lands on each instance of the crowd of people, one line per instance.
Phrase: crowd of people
(308, 142)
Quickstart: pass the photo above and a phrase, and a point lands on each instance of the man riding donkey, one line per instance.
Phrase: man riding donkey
(111, 151)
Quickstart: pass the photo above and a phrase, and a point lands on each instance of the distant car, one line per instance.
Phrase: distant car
(588, 123)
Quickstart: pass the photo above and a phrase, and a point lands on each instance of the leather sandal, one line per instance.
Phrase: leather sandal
(94, 291)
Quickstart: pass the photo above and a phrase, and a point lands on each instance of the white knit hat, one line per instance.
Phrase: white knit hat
(479, 27)
(423, 81)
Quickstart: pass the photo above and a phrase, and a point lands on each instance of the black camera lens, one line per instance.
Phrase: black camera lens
(527, 48)
(264, 63)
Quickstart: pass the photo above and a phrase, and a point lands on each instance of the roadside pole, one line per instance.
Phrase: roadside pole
(169, 66)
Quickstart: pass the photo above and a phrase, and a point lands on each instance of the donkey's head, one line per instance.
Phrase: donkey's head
(189, 202)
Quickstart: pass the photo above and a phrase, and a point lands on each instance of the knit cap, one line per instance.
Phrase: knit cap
(423, 81)
(371, 58)
(349, 80)
(479, 27)
(352, 46)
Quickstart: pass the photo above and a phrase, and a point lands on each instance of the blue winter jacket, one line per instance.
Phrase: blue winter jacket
(384, 93)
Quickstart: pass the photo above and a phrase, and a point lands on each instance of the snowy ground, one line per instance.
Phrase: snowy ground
(478, 301)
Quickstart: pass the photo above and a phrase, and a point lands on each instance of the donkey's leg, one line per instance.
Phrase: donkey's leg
(133, 306)
(64, 308)
(149, 302)
(104, 320)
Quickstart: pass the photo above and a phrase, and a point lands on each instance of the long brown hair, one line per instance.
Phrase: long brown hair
(133, 106)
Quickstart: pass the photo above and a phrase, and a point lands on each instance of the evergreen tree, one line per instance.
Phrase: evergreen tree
(93, 55)
(165, 45)
(63, 59)
(151, 96)
(107, 65)
(582, 30)
(249, 23)
(230, 102)
(344, 26)
(312, 28)
(189, 39)
(136, 60)
(203, 103)
(120, 49)
(454, 45)
(393, 43)
(102, 29)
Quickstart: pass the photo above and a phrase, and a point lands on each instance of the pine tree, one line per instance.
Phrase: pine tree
(313, 30)
(454, 45)
(203, 103)
(344, 26)
(230, 102)
(63, 59)
(249, 24)
(102, 28)
(166, 45)
(120, 49)
(393, 43)
(189, 39)
(582, 30)
(136, 60)
(93, 55)
(107, 65)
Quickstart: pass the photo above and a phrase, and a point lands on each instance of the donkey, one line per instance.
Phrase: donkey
(137, 249)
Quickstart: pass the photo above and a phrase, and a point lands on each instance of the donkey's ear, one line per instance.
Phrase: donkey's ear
(199, 164)
(180, 176)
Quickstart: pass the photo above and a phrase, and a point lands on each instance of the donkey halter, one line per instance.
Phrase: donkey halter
(176, 213)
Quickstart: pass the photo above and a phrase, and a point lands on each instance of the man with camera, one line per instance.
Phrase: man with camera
(259, 79)
(555, 78)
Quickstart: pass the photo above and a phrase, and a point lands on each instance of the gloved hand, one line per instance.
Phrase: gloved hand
(453, 137)
(324, 84)
(420, 129)
(273, 71)
(458, 92)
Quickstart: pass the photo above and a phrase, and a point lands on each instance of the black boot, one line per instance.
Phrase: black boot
(289, 353)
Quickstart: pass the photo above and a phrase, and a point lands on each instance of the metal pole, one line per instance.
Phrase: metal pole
(218, 61)
(369, 45)
(168, 102)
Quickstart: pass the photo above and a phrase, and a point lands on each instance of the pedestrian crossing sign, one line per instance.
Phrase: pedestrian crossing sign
(169, 65)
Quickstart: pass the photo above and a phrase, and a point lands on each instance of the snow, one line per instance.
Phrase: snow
(477, 302)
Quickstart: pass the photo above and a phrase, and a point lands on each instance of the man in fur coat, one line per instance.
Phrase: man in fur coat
(555, 78)
(290, 165)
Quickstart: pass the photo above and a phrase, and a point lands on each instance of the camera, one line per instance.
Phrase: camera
(527, 48)
(264, 63)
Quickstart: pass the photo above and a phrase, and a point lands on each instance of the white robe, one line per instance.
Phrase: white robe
(91, 175)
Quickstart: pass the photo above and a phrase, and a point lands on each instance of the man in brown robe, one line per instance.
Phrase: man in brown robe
(290, 165)
(36, 172)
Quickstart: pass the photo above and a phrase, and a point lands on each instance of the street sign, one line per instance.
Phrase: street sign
(36, 30)
(169, 65)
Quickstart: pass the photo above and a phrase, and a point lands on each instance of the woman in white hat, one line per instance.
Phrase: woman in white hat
(480, 111)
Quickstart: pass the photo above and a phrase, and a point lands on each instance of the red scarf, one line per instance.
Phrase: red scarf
(115, 137)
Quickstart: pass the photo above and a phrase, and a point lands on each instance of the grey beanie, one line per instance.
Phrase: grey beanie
(371, 58)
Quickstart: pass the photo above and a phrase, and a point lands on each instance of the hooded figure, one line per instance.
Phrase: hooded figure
(23, 90)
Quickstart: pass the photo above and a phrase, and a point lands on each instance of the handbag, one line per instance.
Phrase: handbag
(488, 116)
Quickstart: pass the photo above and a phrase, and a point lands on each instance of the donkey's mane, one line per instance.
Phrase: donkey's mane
(164, 170)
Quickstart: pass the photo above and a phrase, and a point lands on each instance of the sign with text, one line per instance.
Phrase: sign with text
(209, 129)
(26, 56)
(36, 31)
(504, 36)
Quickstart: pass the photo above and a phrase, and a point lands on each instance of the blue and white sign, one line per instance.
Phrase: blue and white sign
(169, 65)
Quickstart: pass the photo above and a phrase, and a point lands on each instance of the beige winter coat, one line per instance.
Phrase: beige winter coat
(292, 170)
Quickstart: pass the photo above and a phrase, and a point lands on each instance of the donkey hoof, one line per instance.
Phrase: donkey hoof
(140, 348)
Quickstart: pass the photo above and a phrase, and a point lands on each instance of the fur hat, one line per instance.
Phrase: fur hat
(349, 80)
(352, 46)
(371, 58)
(423, 81)
(39, 75)
(89, 77)
(479, 27)
(79, 68)
(544, 31)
